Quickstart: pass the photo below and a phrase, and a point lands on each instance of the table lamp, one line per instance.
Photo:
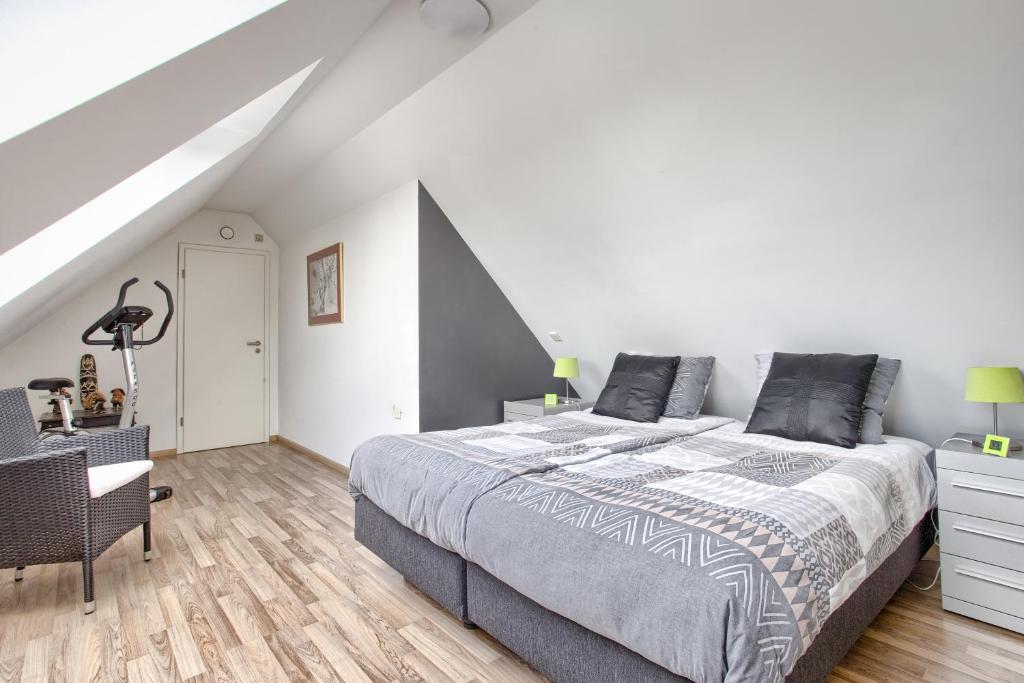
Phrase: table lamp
(566, 367)
(995, 386)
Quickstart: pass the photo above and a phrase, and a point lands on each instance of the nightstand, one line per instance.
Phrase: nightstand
(529, 408)
(981, 518)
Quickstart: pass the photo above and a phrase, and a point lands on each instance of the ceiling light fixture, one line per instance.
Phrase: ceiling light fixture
(455, 18)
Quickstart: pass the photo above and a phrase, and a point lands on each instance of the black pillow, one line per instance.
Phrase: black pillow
(637, 387)
(813, 397)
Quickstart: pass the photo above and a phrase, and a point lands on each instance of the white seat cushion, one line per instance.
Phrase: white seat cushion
(105, 478)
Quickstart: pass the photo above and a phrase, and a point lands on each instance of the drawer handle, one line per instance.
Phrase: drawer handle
(991, 579)
(990, 534)
(988, 489)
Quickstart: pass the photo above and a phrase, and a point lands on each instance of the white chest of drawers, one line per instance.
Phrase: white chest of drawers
(981, 520)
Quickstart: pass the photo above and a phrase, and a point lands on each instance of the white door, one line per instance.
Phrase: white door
(223, 344)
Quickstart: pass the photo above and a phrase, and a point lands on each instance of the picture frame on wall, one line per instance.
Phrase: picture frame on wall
(325, 275)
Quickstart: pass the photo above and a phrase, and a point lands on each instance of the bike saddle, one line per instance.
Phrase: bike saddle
(51, 383)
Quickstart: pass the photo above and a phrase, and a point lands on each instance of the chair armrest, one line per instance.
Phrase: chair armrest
(110, 446)
(44, 507)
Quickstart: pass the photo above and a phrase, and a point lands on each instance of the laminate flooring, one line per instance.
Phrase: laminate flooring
(257, 577)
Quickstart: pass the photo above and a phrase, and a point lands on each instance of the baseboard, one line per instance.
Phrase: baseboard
(171, 452)
(310, 454)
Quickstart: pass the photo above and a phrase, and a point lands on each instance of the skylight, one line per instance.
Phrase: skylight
(48, 250)
(57, 54)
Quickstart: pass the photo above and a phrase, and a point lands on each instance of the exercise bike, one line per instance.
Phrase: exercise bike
(122, 322)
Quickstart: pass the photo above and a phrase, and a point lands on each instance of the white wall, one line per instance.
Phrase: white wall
(339, 382)
(729, 177)
(53, 347)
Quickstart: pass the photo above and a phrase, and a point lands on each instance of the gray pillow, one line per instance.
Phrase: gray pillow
(882, 381)
(689, 387)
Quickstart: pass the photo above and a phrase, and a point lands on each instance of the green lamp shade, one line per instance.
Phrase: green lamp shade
(994, 385)
(567, 366)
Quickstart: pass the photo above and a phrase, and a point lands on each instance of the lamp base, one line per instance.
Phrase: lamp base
(978, 441)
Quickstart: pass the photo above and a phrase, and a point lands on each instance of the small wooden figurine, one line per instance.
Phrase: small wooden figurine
(87, 376)
(117, 398)
(94, 401)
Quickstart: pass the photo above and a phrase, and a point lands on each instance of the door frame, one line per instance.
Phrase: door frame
(179, 427)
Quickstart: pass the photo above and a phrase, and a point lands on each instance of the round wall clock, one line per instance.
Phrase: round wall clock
(227, 232)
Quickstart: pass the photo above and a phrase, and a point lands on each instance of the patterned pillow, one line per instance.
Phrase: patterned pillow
(689, 387)
(813, 397)
(882, 381)
(637, 387)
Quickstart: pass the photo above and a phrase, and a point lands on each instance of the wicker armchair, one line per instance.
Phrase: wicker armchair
(46, 512)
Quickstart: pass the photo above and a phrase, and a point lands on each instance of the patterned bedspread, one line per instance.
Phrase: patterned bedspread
(717, 556)
(429, 481)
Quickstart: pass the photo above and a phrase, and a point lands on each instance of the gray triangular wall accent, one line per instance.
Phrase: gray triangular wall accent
(475, 349)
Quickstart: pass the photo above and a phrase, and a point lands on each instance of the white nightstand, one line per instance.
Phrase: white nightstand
(529, 408)
(981, 519)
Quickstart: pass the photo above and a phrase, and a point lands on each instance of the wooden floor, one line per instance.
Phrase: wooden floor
(256, 577)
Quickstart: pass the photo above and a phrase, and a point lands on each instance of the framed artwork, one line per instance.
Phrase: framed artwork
(325, 274)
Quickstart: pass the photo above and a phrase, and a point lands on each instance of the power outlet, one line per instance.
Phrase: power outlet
(396, 411)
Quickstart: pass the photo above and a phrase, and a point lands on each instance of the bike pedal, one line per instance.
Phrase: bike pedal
(158, 493)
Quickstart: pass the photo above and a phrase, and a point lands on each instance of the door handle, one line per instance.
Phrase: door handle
(254, 342)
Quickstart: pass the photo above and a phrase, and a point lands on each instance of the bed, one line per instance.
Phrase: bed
(427, 483)
(721, 555)
(724, 556)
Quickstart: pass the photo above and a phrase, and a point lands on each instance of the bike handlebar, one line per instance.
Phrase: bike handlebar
(111, 315)
(94, 342)
(123, 292)
(167, 318)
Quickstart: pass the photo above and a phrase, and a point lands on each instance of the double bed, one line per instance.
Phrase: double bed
(605, 549)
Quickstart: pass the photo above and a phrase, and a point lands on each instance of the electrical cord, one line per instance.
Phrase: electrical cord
(930, 585)
(938, 571)
(936, 526)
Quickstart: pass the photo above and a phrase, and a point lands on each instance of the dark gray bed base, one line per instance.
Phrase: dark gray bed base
(435, 571)
(566, 652)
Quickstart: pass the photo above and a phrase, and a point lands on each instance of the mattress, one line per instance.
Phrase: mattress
(718, 556)
(429, 482)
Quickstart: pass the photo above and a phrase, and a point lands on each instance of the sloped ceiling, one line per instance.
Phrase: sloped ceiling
(62, 164)
(56, 167)
(393, 59)
(48, 296)
(725, 178)
(60, 53)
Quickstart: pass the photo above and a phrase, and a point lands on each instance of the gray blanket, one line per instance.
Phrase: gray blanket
(429, 482)
(718, 556)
